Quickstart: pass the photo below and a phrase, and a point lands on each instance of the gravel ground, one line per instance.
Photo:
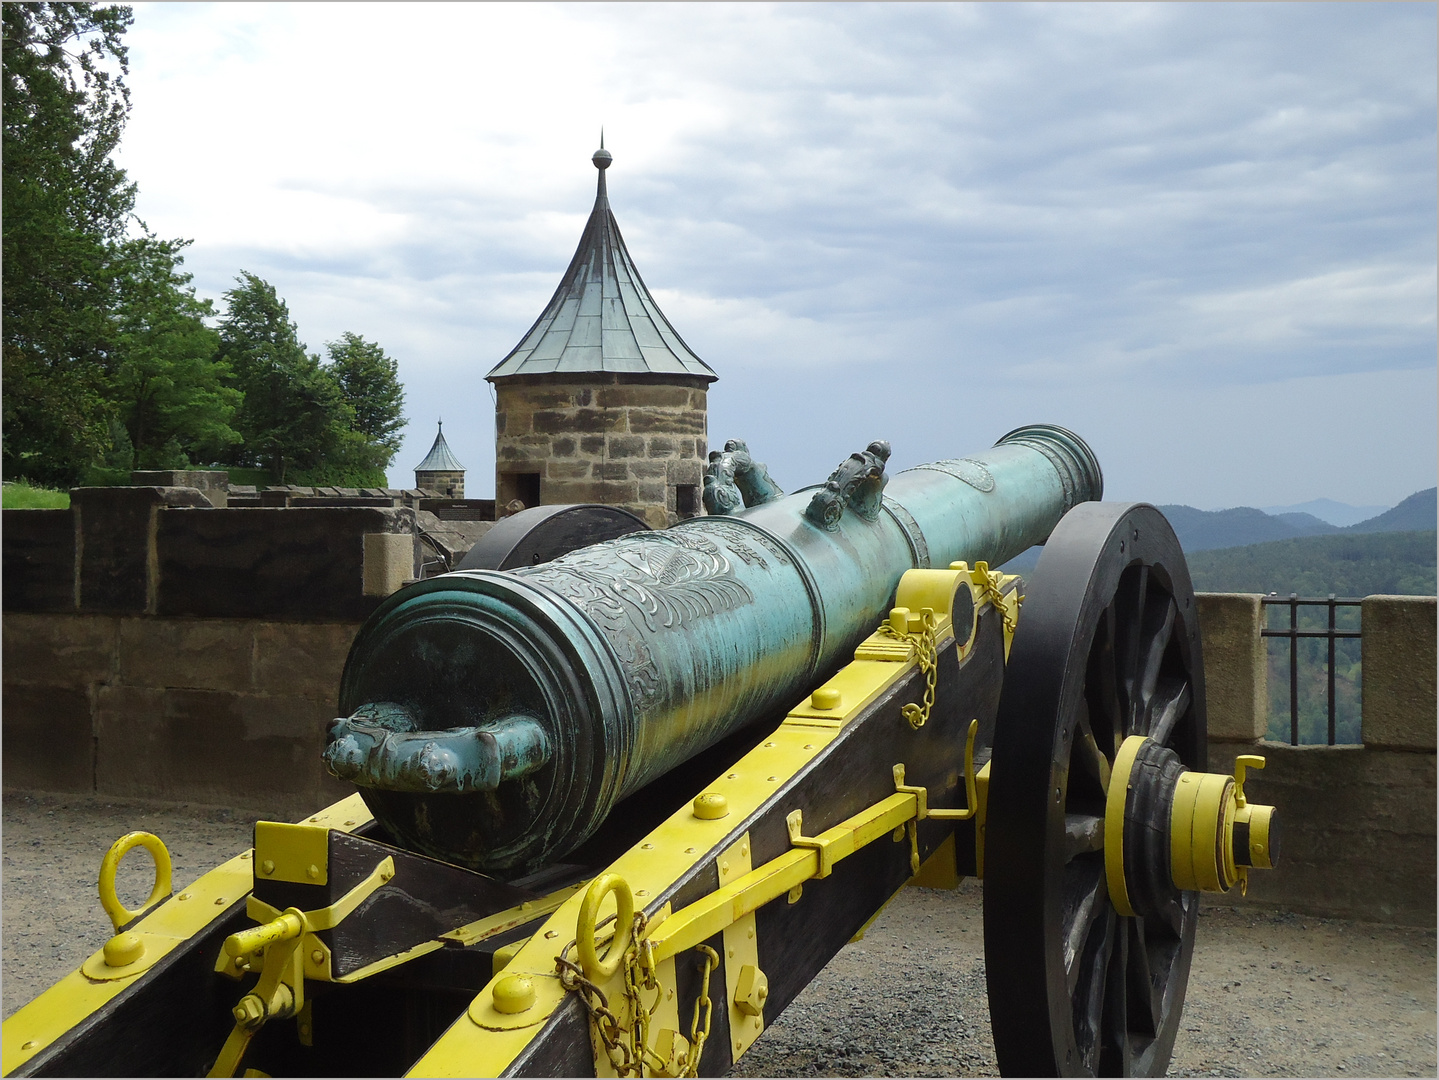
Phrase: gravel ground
(1270, 994)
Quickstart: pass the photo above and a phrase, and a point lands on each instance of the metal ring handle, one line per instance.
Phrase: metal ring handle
(596, 969)
(118, 912)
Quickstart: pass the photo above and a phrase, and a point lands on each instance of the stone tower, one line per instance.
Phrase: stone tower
(440, 471)
(602, 401)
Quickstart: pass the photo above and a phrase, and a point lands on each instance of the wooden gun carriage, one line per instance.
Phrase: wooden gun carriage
(618, 808)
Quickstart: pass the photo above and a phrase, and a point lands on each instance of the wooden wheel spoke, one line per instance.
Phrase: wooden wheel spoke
(1088, 992)
(1129, 603)
(1086, 905)
(1106, 713)
(1115, 1059)
(1171, 701)
(1145, 999)
(1156, 629)
(1093, 765)
(1083, 834)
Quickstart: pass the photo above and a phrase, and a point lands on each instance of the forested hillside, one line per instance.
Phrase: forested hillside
(1345, 564)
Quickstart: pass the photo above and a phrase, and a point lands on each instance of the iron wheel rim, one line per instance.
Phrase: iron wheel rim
(1107, 646)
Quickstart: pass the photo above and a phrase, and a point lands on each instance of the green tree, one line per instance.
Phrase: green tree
(370, 382)
(170, 391)
(294, 415)
(65, 206)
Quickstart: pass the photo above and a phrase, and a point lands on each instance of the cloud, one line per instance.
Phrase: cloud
(1024, 197)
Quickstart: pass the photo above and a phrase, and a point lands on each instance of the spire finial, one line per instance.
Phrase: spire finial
(602, 156)
(442, 423)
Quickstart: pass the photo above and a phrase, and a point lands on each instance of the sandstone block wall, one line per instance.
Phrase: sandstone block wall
(621, 441)
(451, 485)
(156, 647)
(1398, 650)
(224, 711)
(1235, 665)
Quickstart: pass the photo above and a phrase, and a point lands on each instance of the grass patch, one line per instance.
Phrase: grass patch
(22, 496)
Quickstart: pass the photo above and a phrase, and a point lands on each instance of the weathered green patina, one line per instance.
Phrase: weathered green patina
(610, 665)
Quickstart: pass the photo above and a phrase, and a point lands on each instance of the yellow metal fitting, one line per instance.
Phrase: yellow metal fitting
(294, 853)
(1114, 805)
(752, 991)
(825, 846)
(673, 1049)
(1201, 831)
(250, 1012)
(118, 912)
(514, 994)
(124, 949)
(825, 698)
(1251, 819)
(290, 925)
(711, 806)
(596, 969)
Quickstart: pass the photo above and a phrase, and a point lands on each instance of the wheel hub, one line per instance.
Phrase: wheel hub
(1169, 829)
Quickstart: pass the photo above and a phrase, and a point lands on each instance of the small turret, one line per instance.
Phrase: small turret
(602, 401)
(440, 471)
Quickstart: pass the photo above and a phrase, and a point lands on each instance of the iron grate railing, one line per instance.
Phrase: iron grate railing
(1331, 633)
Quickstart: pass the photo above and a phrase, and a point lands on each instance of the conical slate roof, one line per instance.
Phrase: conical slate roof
(602, 318)
(440, 459)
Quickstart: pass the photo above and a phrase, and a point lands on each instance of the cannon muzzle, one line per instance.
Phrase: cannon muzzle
(494, 718)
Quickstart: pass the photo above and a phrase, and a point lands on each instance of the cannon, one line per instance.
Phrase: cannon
(618, 808)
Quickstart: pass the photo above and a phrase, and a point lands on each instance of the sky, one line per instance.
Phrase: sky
(1201, 236)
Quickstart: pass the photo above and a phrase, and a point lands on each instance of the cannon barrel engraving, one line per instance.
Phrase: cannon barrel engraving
(612, 664)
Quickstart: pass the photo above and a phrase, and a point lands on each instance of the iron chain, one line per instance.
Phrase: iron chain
(628, 1049)
(926, 652)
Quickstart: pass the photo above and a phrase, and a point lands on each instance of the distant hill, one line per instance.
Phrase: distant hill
(1243, 526)
(1200, 530)
(1346, 564)
(1307, 524)
(1205, 530)
(1328, 511)
(1419, 511)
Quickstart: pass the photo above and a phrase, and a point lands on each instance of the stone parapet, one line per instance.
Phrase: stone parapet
(166, 551)
(227, 711)
(1358, 830)
(1399, 664)
(214, 484)
(1235, 665)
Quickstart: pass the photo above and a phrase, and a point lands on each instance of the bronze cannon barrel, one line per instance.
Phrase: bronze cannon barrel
(494, 718)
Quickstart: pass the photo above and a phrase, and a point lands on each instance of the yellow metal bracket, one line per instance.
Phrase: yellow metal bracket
(746, 986)
(285, 939)
(921, 794)
(824, 846)
(295, 853)
(813, 857)
(325, 918)
(990, 585)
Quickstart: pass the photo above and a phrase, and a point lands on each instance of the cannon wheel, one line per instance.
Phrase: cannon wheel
(1107, 646)
(542, 533)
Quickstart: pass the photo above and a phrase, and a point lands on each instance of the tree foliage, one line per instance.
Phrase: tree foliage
(65, 207)
(1348, 564)
(171, 393)
(293, 412)
(370, 382)
(108, 361)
